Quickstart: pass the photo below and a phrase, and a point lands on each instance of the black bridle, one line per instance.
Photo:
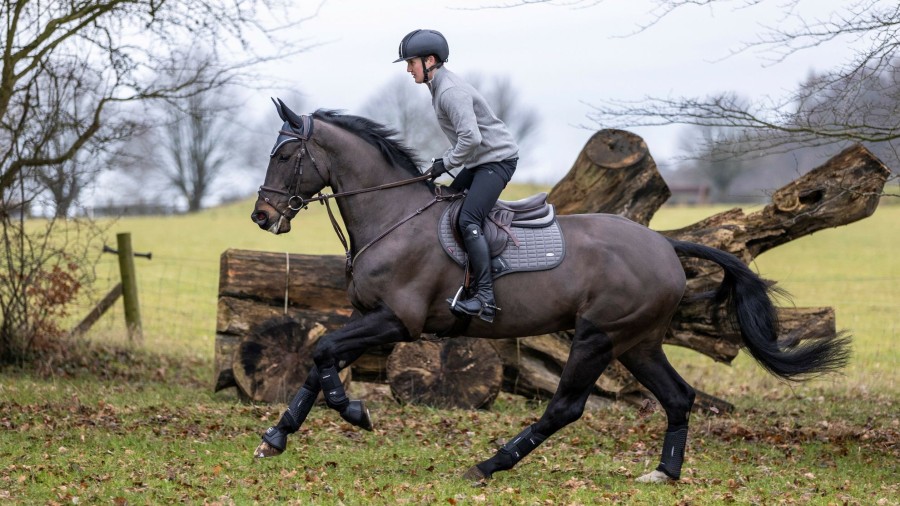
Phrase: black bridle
(296, 202)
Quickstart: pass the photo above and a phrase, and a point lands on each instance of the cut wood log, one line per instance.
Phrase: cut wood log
(316, 282)
(259, 288)
(271, 364)
(457, 373)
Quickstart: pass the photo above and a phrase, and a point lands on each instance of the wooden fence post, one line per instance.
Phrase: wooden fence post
(129, 286)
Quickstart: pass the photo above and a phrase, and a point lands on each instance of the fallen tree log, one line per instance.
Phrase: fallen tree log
(843, 190)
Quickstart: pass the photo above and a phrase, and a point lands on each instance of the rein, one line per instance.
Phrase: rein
(296, 202)
(438, 197)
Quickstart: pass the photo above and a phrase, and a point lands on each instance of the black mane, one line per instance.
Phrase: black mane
(376, 134)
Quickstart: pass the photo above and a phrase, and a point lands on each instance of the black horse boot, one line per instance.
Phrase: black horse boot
(482, 303)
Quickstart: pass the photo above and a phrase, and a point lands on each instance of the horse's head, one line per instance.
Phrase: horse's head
(292, 176)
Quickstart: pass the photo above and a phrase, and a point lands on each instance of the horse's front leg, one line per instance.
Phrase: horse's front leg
(274, 440)
(340, 349)
(335, 351)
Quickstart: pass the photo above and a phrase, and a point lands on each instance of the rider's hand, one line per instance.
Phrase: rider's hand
(437, 168)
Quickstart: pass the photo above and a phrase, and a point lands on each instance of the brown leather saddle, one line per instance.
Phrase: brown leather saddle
(523, 235)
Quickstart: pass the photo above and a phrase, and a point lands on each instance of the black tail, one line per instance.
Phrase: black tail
(747, 299)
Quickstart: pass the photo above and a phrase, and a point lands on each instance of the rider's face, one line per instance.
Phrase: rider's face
(415, 68)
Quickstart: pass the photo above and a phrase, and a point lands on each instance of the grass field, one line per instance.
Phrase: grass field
(140, 425)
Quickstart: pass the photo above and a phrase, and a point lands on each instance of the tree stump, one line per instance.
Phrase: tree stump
(614, 173)
(457, 373)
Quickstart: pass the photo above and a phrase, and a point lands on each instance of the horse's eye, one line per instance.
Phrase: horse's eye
(284, 158)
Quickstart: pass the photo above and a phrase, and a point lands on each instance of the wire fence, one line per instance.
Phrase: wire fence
(177, 297)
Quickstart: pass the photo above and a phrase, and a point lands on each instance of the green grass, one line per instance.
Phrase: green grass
(151, 442)
(143, 427)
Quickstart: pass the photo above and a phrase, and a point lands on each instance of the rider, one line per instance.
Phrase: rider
(480, 144)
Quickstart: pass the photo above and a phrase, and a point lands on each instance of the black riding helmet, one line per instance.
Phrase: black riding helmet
(421, 44)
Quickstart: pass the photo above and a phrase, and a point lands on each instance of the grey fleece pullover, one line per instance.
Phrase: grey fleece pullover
(476, 135)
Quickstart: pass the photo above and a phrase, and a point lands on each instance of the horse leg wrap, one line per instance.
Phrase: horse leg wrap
(291, 420)
(354, 412)
(335, 396)
(673, 452)
(512, 452)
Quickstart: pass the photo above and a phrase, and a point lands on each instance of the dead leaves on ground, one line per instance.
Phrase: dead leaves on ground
(415, 452)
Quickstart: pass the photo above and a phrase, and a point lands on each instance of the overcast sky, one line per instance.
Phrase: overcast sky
(560, 58)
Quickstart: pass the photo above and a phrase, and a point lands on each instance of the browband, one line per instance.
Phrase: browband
(290, 133)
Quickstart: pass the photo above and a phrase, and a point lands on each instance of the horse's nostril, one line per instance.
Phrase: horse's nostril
(259, 217)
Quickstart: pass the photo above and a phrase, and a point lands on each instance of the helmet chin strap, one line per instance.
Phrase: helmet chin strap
(427, 70)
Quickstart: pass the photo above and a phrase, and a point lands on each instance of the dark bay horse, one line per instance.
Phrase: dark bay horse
(618, 287)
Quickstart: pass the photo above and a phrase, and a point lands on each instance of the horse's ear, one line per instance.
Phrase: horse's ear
(278, 106)
(289, 115)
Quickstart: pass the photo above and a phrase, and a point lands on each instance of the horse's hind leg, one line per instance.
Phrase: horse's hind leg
(650, 366)
(591, 353)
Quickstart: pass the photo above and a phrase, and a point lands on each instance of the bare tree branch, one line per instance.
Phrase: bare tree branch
(858, 101)
(72, 74)
(129, 50)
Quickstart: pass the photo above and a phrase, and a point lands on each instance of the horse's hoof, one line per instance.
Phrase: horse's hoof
(475, 474)
(655, 476)
(266, 450)
(358, 414)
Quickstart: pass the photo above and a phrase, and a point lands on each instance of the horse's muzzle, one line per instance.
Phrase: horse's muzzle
(271, 221)
(261, 218)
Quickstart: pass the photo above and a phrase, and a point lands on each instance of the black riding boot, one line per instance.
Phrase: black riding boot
(482, 303)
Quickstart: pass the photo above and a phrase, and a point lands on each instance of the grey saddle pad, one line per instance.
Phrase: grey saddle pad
(539, 248)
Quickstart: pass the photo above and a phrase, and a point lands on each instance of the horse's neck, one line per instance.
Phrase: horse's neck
(368, 215)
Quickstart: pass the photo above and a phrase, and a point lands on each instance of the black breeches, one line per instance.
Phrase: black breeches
(485, 183)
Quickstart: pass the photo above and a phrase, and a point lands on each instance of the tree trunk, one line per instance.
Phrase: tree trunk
(614, 173)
